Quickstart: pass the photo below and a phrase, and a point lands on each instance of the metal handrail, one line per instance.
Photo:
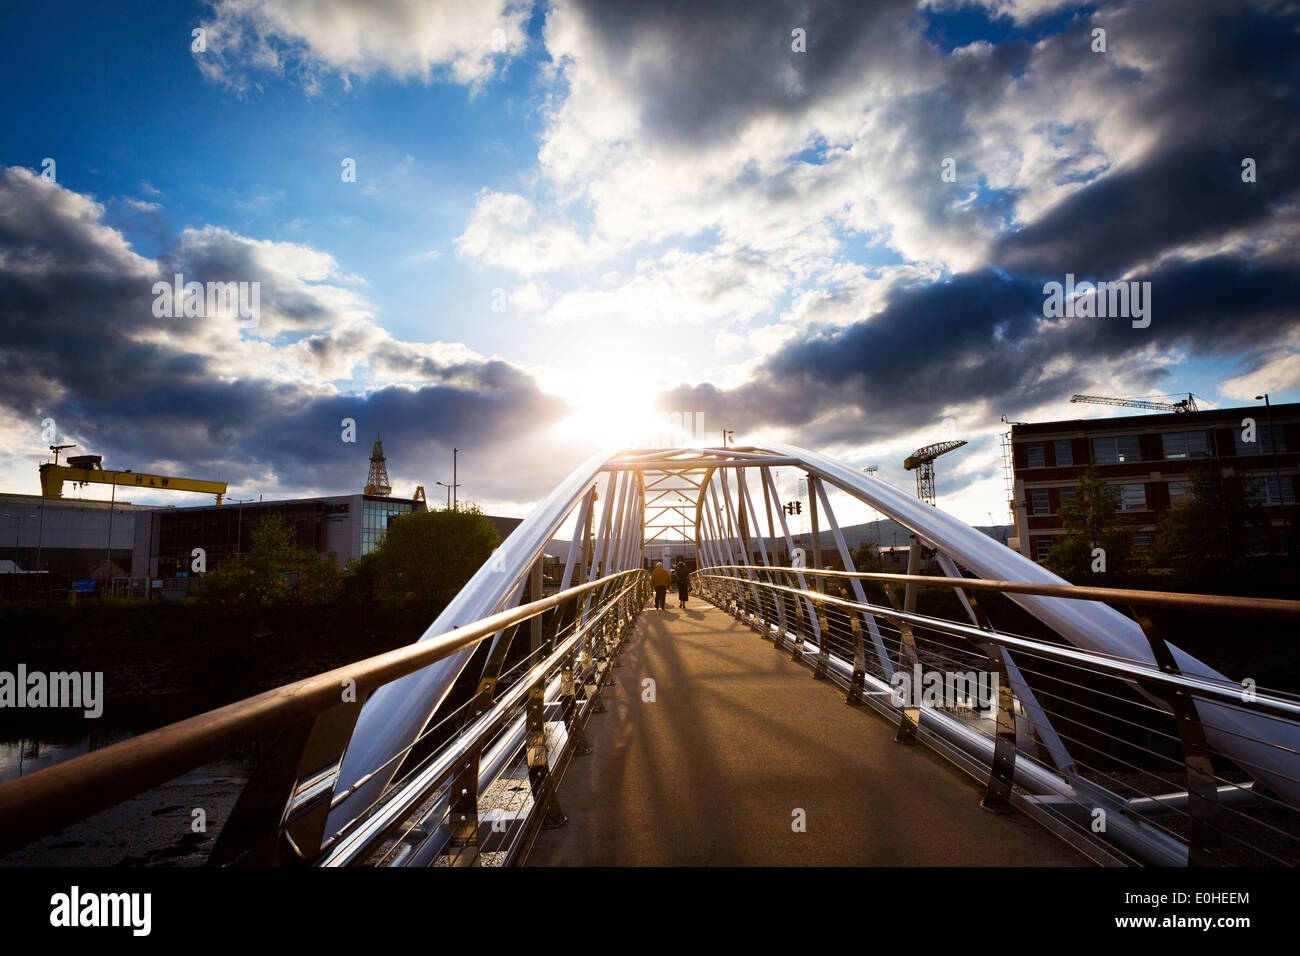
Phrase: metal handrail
(35, 805)
(1063, 799)
(360, 835)
(1269, 607)
(1116, 667)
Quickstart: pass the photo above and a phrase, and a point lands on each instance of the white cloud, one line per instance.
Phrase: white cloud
(506, 230)
(308, 39)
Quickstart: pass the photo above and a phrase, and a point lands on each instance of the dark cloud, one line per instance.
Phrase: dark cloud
(1225, 86)
(1218, 82)
(81, 345)
(717, 66)
(980, 340)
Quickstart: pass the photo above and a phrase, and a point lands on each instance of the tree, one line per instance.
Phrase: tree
(273, 572)
(425, 558)
(867, 558)
(1210, 534)
(1091, 521)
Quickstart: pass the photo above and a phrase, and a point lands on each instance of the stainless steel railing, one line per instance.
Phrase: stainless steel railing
(1114, 754)
(526, 716)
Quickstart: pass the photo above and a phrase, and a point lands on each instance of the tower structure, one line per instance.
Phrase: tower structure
(377, 481)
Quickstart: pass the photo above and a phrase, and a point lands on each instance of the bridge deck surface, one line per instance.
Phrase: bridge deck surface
(738, 737)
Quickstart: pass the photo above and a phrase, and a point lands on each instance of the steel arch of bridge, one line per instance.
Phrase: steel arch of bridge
(606, 501)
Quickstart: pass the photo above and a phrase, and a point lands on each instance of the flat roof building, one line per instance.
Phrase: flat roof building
(1148, 458)
(347, 525)
(67, 536)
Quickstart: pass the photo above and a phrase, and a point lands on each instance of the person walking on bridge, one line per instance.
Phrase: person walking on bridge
(683, 583)
(659, 579)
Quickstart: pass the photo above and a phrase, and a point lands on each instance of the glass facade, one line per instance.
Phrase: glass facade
(375, 515)
(227, 530)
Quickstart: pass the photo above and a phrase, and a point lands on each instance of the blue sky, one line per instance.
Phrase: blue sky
(567, 213)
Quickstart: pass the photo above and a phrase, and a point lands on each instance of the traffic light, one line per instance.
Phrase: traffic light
(794, 507)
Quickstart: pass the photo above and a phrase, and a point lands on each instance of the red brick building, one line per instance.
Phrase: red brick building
(1148, 457)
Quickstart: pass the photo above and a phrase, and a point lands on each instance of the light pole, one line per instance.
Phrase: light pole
(727, 433)
(13, 574)
(239, 522)
(448, 487)
(40, 532)
(455, 482)
(108, 551)
(1277, 471)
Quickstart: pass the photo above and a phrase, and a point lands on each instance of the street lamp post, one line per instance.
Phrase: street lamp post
(108, 551)
(448, 487)
(13, 574)
(239, 522)
(1277, 471)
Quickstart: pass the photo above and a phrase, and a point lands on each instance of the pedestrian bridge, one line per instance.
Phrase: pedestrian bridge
(584, 727)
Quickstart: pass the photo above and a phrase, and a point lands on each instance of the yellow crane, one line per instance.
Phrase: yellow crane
(89, 469)
(922, 462)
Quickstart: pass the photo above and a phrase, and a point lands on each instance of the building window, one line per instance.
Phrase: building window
(1141, 540)
(1042, 544)
(1185, 444)
(1064, 452)
(1180, 493)
(375, 516)
(1115, 449)
(1132, 498)
(1263, 443)
(1264, 490)
(1068, 495)
(1034, 455)
(1040, 502)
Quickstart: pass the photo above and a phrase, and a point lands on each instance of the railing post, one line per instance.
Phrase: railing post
(462, 808)
(796, 654)
(540, 779)
(859, 678)
(909, 717)
(823, 641)
(624, 621)
(1204, 843)
(778, 598)
(997, 796)
(569, 702)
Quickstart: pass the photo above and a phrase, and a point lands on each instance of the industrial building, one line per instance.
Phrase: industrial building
(346, 525)
(1148, 458)
(67, 537)
(146, 547)
(157, 543)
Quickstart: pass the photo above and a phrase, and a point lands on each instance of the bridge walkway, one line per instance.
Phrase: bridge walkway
(739, 737)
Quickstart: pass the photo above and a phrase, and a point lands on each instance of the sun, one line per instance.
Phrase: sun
(612, 404)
